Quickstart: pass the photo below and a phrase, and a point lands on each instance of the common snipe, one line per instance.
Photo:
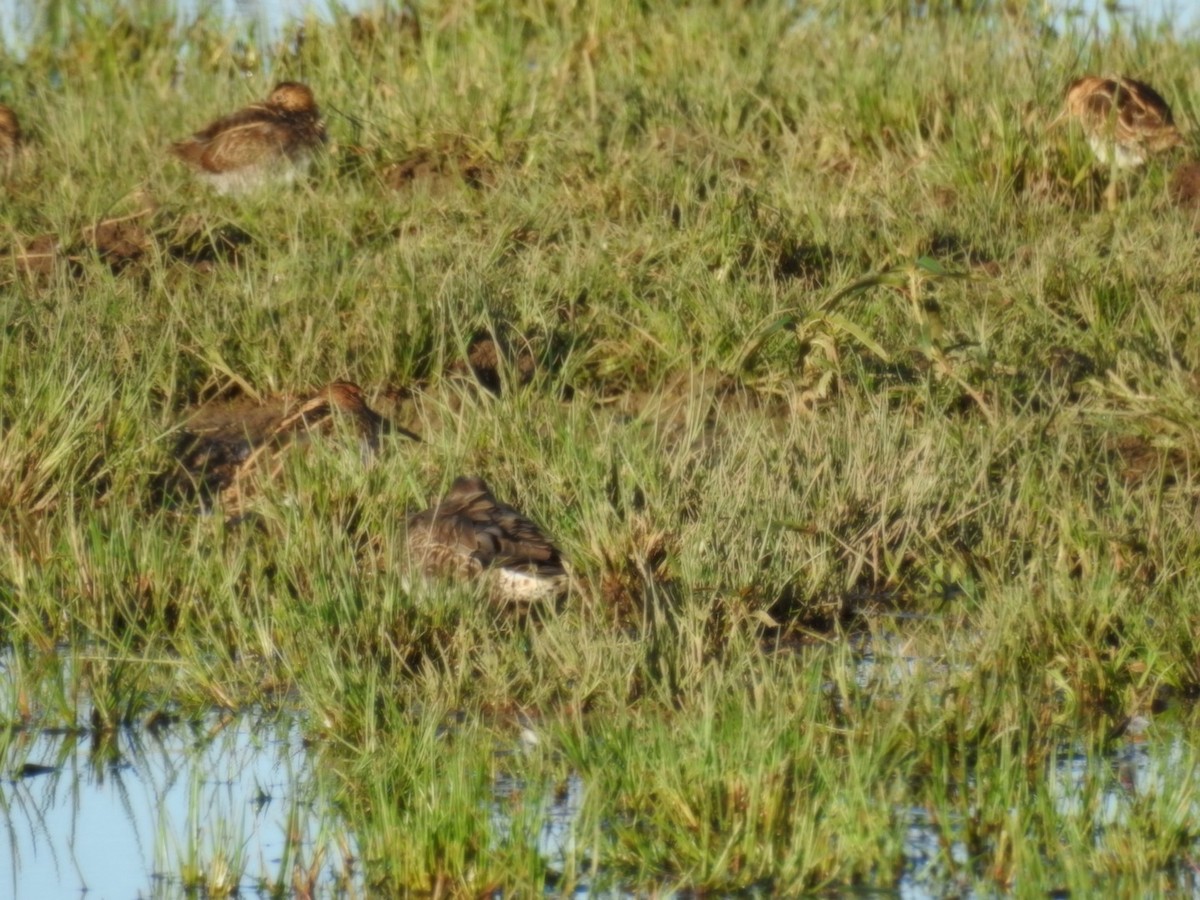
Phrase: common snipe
(222, 445)
(13, 145)
(470, 534)
(1125, 121)
(262, 143)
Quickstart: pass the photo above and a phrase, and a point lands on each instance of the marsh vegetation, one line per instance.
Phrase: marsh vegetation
(788, 322)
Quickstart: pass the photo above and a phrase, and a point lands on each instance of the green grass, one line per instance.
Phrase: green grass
(827, 329)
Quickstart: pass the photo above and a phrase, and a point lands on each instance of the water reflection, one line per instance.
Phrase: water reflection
(224, 803)
(553, 829)
(1110, 789)
(228, 804)
(1103, 791)
(1092, 793)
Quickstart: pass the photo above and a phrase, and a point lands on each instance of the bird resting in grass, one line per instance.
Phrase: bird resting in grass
(13, 145)
(266, 142)
(222, 445)
(469, 534)
(1125, 121)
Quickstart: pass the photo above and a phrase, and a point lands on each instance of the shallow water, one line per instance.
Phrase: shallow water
(139, 811)
(1148, 761)
(124, 815)
(1102, 792)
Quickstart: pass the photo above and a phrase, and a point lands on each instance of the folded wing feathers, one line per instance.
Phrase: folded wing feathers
(470, 523)
(1142, 116)
(250, 136)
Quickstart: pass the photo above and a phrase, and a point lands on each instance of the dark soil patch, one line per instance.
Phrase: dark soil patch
(1184, 189)
(1139, 461)
(124, 242)
(38, 258)
(439, 170)
(204, 247)
(950, 247)
(490, 358)
(118, 242)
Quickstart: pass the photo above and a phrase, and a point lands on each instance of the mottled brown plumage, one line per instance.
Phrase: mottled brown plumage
(223, 443)
(10, 129)
(1125, 121)
(264, 142)
(12, 140)
(470, 534)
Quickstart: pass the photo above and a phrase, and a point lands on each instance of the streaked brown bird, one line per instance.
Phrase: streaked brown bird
(12, 140)
(222, 444)
(470, 534)
(273, 141)
(1125, 121)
